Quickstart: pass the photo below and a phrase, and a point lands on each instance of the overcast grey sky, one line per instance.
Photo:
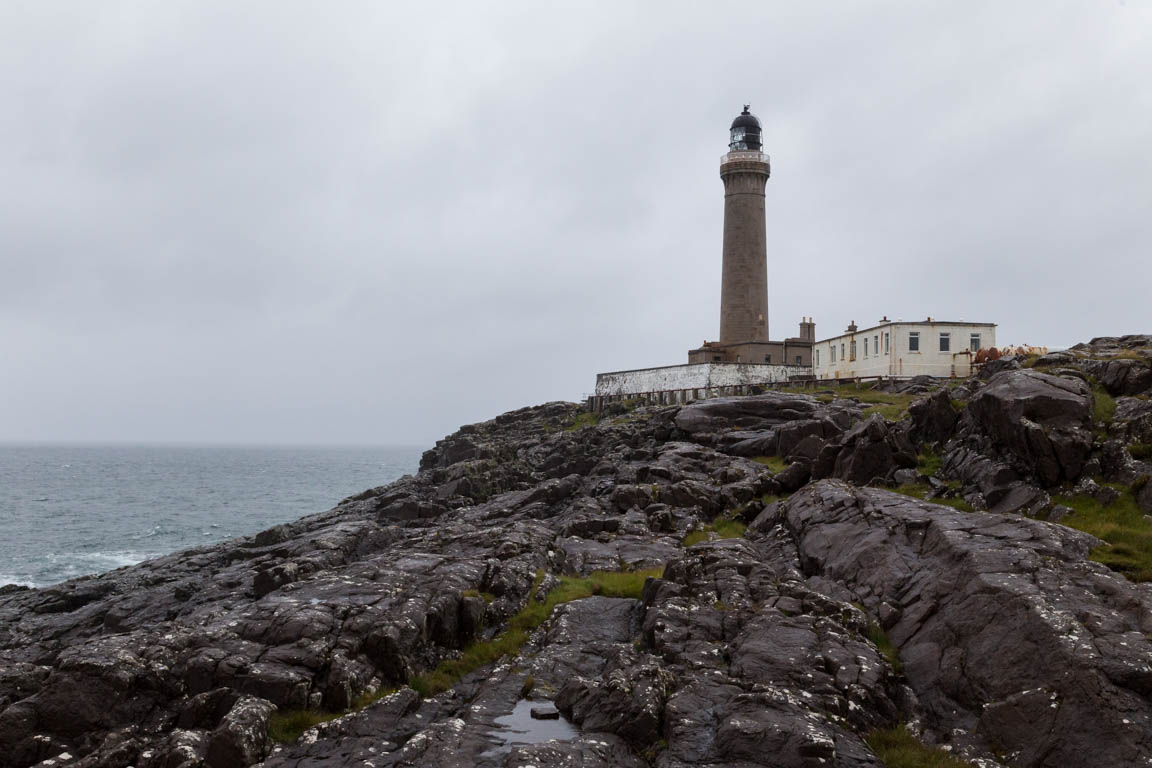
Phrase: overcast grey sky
(370, 222)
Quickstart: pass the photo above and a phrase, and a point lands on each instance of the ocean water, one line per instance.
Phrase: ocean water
(67, 511)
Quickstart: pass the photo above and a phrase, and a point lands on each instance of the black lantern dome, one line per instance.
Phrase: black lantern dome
(745, 132)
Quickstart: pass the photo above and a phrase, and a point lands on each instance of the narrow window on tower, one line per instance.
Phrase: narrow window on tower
(945, 342)
(767, 358)
(914, 341)
(799, 360)
(974, 342)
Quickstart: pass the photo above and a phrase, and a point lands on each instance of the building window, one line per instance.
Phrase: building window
(716, 358)
(799, 360)
(842, 351)
(832, 353)
(913, 341)
(865, 346)
(974, 342)
(817, 355)
(852, 350)
(886, 343)
(945, 342)
(875, 345)
(767, 358)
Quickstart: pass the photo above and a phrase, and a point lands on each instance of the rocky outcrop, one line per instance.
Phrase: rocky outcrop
(1004, 629)
(1041, 424)
(747, 651)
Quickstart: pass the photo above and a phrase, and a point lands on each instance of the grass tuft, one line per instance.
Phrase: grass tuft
(1104, 406)
(723, 528)
(288, 725)
(929, 463)
(897, 747)
(1121, 524)
(880, 639)
(921, 491)
(774, 463)
(586, 419)
(1140, 451)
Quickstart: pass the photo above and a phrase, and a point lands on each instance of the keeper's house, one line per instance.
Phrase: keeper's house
(902, 350)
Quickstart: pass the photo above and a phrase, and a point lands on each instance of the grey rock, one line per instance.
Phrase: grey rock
(1042, 424)
(933, 418)
(993, 367)
(545, 713)
(992, 606)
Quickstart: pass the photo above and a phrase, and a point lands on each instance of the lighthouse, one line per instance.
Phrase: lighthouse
(744, 170)
(743, 359)
(744, 283)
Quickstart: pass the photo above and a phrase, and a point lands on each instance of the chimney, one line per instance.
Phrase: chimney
(807, 329)
(852, 327)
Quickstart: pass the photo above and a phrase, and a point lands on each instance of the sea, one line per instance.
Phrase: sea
(73, 510)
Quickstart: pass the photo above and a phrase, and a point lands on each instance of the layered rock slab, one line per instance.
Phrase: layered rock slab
(1005, 629)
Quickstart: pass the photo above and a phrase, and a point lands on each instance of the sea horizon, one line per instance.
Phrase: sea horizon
(71, 509)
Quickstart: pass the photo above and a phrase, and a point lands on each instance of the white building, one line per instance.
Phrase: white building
(903, 350)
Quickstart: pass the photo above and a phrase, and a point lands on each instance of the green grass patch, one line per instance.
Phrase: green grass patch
(928, 463)
(893, 412)
(1140, 451)
(1104, 406)
(880, 639)
(1121, 524)
(921, 491)
(288, 725)
(897, 747)
(890, 405)
(487, 597)
(774, 463)
(1127, 354)
(722, 527)
(695, 538)
(480, 654)
(581, 420)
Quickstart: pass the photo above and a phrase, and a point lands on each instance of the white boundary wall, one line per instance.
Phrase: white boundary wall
(694, 376)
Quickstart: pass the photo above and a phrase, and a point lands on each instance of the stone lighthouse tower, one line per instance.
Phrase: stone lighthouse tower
(744, 286)
(744, 272)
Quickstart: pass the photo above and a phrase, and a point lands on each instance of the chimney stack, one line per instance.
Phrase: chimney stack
(807, 329)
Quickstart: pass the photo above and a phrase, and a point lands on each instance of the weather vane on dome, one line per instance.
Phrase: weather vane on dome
(746, 108)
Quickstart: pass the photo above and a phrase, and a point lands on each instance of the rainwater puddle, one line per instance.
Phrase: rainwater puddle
(518, 729)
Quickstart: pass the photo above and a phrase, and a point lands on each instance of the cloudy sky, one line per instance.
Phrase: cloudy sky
(370, 222)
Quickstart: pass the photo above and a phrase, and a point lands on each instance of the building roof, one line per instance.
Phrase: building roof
(887, 323)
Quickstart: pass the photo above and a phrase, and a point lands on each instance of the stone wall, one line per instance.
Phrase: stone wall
(698, 376)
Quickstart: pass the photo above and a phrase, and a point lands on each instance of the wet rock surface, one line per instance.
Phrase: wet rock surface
(1014, 648)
